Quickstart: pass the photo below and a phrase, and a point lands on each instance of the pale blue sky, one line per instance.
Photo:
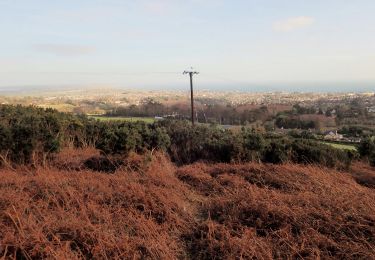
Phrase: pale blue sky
(146, 43)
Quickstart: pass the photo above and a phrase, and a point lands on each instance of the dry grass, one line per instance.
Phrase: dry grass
(151, 209)
(73, 159)
(284, 212)
(364, 174)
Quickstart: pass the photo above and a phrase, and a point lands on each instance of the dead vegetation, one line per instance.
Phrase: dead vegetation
(292, 211)
(148, 208)
(364, 174)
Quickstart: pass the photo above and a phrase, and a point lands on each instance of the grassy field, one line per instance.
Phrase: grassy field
(342, 146)
(149, 120)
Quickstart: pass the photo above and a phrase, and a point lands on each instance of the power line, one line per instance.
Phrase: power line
(97, 73)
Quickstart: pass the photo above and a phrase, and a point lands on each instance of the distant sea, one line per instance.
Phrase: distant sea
(322, 88)
(282, 87)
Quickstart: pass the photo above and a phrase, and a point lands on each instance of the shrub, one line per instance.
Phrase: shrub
(253, 144)
(190, 144)
(277, 151)
(305, 151)
(367, 149)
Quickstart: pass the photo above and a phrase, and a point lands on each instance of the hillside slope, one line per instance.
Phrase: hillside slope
(152, 209)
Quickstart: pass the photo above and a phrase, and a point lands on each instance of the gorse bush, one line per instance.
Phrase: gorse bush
(367, 149)
(125, 137)
(252, 146)
(210, 143)
(30, 135)
(277, 151)
(190, 144)
(306, 151)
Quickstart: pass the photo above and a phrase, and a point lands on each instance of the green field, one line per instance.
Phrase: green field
(148, 120)
(342, 146)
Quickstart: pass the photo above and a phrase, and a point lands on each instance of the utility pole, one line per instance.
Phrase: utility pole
(191, 72)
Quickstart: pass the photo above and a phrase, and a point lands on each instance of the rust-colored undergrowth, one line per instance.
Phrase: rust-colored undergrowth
(151, 209)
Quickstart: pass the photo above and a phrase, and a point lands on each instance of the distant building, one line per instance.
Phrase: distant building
(333, 136)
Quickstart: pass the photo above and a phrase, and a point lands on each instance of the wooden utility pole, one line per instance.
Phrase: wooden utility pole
(191, 72)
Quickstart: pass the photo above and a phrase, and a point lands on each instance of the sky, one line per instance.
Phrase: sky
(147, 44)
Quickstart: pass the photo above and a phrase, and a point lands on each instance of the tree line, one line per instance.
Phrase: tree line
(205, 113)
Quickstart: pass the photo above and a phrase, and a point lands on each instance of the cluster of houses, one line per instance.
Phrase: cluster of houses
(334, 136)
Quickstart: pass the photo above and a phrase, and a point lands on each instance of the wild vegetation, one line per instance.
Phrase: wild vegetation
(151, 209)
(30, 135)
(73, 187)
(367, 149)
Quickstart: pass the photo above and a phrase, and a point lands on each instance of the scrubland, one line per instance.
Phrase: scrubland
(148, 208)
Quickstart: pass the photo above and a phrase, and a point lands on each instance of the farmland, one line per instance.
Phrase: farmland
(342, 146)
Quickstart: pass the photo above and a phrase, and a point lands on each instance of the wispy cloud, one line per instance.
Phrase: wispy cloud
(293, 23)
(64, 49)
